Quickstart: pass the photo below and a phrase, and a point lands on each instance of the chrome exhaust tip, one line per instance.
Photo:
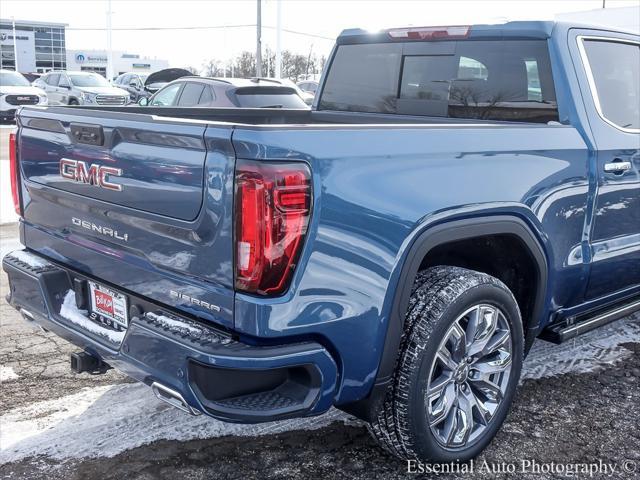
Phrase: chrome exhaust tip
(173, 398)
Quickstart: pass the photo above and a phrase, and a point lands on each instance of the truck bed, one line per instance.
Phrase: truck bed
(278, 116)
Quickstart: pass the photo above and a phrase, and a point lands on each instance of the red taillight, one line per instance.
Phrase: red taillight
(272, 208)
(429, 33)
(14, 172)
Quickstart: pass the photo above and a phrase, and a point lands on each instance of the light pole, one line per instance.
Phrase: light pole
(109, 50)
(278, 38)
(259, 41)
(15, 45)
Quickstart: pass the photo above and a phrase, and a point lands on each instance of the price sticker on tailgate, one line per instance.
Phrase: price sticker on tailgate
(111, 305)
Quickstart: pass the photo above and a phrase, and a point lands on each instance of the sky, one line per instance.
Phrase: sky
(212, 28)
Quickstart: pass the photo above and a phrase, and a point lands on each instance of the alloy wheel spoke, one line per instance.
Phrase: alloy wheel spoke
(499, 340)
(444, 356)
(497, 365)
(472, 326)
(483, 412)
(465, 422)
(490, 390)
(451, 426)
(437, 386)
(487, 326)
(459, 338)
(444, 405)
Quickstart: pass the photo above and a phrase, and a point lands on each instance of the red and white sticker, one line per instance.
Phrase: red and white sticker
(109, 304)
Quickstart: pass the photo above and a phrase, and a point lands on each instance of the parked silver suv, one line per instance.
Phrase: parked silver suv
(80, 88)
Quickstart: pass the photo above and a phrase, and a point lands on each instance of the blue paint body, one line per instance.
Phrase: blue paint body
(376, 188)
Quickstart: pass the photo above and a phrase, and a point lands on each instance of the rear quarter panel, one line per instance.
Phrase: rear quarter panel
(376, 188)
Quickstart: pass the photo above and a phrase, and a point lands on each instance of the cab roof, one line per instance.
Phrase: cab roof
(515, 30)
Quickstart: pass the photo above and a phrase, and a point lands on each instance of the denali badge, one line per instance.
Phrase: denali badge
(94, 174)
(106, 231)
(195, 301)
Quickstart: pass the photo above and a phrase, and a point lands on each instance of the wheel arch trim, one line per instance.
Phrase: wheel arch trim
(432, 236)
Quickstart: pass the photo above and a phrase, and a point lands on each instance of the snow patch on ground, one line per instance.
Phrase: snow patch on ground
(70, 311)
(108, 420)
(33, 422)
(7, 373)
(29, 258)
(105, 421)
(586, 353)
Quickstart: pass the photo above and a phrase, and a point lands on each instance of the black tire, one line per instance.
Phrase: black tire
(73, 101)
(439, 296)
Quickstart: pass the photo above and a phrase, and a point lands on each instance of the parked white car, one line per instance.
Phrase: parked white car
(80, 88)
(15, 90)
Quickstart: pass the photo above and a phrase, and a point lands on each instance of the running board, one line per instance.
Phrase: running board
(574, 326)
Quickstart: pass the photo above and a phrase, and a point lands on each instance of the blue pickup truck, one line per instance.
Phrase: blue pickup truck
(454, 194)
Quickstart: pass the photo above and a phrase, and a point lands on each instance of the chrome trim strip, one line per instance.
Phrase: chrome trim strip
(603, 319)
(592, 84)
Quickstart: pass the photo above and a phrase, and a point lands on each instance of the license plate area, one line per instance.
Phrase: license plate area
(108, 306)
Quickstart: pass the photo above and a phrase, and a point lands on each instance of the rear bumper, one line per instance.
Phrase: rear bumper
(212, 372)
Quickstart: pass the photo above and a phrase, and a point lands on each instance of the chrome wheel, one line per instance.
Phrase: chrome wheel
(469, 376)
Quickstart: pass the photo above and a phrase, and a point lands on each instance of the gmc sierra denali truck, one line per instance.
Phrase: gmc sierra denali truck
(454, 194)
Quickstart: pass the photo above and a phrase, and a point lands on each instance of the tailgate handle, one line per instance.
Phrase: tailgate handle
(87, 134)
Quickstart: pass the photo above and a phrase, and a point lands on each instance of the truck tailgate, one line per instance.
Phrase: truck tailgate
(139, 202)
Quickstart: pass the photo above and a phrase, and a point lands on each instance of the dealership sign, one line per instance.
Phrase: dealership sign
(6, 36)
(81, 58)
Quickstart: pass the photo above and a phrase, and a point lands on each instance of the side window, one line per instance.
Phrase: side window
(207, 97)
(64, 81)
(125, 79)
(52, 79)
(614, 74)
(167, 96)
(190, 94)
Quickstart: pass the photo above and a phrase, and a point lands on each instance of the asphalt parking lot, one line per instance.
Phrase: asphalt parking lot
(578, 403)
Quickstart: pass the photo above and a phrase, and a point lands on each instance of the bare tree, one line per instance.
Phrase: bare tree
(294, 66)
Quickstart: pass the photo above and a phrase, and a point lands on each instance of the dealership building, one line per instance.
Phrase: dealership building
(40, 46)
(96, 61)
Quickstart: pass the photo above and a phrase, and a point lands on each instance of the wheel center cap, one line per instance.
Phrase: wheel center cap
(461, 374)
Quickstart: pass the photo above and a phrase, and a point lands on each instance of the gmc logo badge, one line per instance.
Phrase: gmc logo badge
(94, 174)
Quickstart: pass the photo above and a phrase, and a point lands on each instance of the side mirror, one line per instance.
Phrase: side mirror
(143, 101)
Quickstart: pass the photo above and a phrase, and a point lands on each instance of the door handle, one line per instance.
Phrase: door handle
(617, 167)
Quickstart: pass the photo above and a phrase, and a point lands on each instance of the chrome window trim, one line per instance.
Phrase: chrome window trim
(591, 80)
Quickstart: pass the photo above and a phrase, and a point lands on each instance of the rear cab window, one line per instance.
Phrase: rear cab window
(508, 80)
